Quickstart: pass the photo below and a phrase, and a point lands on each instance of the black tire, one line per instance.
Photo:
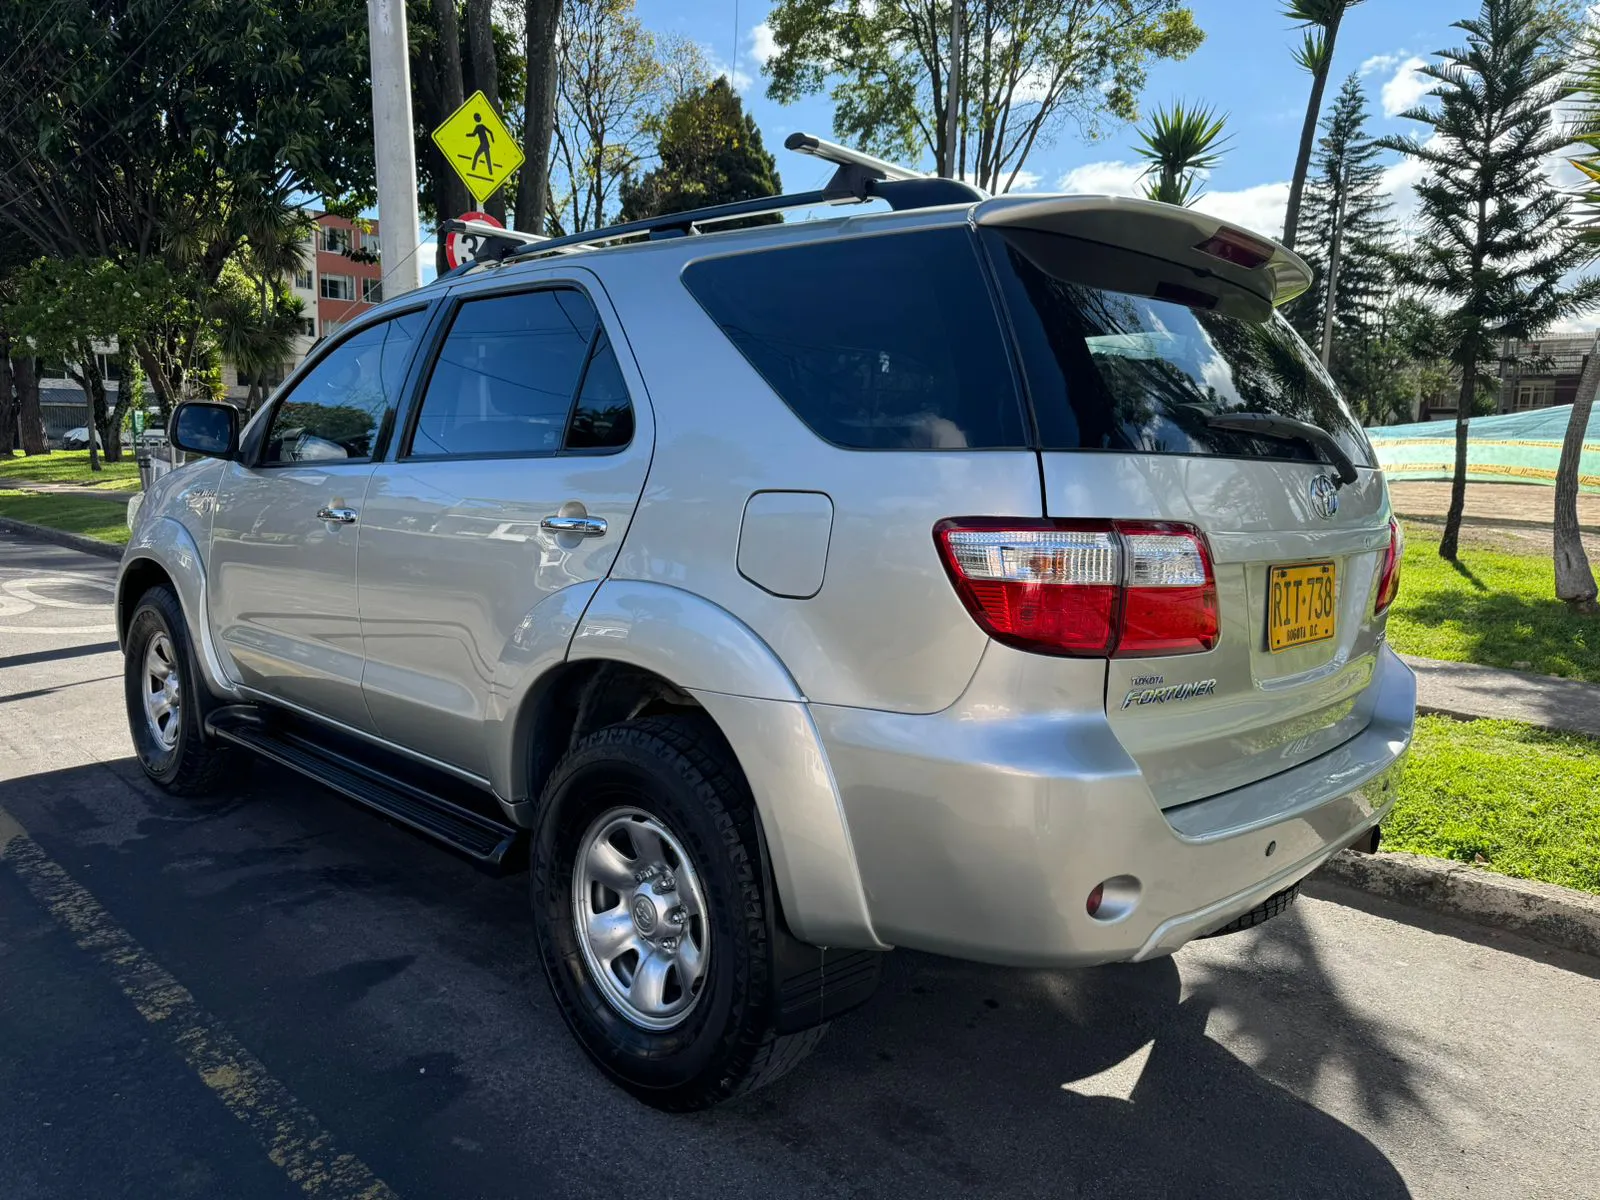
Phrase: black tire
(192, 766)
(678, 771)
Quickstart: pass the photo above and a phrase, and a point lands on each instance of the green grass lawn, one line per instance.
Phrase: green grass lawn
(1493, 608)
(71, 466)
(76, 514)
(1525, 799)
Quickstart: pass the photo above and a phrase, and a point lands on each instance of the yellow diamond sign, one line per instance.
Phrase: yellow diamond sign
(475, 141)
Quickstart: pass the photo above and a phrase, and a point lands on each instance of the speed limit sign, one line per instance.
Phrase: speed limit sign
(464, 247)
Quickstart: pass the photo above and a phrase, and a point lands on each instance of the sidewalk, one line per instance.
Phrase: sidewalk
(115, 495)
(1469, 691)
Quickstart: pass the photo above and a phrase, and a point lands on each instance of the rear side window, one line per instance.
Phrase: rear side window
(882, 343)
(1120, 355)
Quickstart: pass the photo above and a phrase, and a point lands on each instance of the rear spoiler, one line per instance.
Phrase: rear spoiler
(1177, 235)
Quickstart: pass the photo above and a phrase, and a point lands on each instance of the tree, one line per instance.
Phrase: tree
(1027, 67)
(1320, 20)
(1352, 240)
(486, 76)
(539, 113)
(1575, 581)
(1498, 238)
(147, 131)
(709, 151)
(1180, 143)
(611, 86)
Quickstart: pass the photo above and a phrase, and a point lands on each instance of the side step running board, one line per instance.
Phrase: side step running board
(476, 836)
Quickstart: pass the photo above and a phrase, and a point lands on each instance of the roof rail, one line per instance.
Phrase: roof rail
(860, 177)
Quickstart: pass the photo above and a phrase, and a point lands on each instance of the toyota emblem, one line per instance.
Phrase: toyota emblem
(1324, 497)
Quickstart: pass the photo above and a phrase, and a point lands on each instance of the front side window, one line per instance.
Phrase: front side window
(506, 375)
(878, 343)
(337, 410)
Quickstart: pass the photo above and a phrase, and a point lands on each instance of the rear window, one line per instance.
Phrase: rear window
(879, 343)
(1143, 369)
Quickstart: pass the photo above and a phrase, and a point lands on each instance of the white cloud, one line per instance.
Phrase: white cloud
(1378, 62)
(1259, 208)
(762, 44)
(1103, 179)
(1027, 181)
(737, 75)
(1405, 87)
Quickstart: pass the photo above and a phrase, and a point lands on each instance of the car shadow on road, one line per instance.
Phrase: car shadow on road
(956, 1079)
(1094, 1082)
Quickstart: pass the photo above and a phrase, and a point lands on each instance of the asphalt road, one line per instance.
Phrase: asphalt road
(275, 994)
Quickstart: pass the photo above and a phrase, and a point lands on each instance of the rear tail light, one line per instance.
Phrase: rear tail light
(1389, 575)
(1084, 588)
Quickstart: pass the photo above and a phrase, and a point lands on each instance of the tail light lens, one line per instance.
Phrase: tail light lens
(1084, 588)
(1389, 575)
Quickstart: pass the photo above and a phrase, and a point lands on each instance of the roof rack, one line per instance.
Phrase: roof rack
(860, 177)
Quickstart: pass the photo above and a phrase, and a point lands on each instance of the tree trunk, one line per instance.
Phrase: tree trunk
(543, 20)
(1449, 544)
(1308, 134)
(88, 378)
(1574, 579)
(486, 76)
(447, 62)
(8, 399)
(1331, 289)
(30, 422)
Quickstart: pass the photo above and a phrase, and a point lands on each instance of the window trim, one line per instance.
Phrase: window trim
(446, 319)
(326, 277)
(256, 432)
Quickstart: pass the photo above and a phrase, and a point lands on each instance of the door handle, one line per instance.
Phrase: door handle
(339, 516)
(582, 526)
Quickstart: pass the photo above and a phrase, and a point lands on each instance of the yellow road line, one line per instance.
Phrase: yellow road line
(293, 1138)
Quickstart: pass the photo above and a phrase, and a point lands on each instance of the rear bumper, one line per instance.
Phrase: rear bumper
(979, 832)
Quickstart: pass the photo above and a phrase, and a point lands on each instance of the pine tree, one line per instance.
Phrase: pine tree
(1498, 238)
(711, 153)
(1349, 235)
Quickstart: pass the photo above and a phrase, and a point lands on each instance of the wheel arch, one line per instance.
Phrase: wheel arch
(164, 552)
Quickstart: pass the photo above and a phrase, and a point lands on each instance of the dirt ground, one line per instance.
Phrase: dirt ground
(1509, 516)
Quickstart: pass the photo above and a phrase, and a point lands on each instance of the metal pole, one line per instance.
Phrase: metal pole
(953, 101)
(392, 146)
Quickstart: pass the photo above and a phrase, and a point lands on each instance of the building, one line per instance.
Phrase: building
(340, 278)
(1543, 373)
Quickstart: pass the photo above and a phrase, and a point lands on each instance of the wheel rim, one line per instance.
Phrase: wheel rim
(162, 691)
(639, 912)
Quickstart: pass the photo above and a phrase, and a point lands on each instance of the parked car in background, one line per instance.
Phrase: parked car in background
(1000, 577)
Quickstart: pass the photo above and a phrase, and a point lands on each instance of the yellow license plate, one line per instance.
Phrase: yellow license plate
(1302, 605)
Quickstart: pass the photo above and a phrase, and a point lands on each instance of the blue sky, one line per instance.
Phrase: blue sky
(1243, 68)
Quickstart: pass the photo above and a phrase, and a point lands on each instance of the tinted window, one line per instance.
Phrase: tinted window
(1112, 369)
(602, 419)
(337, 409)
(885, 343)
(506, 374)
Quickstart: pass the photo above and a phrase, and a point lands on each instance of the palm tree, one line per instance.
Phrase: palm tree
(1180, 142)
(1498, 243)
(1320, 20)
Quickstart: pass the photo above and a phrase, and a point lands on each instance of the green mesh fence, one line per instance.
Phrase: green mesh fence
(1520, 447)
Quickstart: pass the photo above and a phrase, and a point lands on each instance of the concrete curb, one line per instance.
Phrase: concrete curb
(77, 541)
(1557, 916)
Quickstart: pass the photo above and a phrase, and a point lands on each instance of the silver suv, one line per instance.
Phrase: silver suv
(997, 577)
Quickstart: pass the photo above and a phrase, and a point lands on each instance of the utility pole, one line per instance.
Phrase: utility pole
(393, 151)
(953, 100)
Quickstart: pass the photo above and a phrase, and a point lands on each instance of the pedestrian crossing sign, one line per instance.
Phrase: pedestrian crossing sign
(475, 141)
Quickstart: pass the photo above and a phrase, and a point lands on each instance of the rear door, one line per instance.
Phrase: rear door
(1128, 359)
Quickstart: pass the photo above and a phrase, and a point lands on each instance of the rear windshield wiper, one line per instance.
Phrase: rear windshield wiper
(1287, 429)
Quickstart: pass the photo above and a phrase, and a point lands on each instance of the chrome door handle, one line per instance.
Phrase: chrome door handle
(582, 526)
(339, 516)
